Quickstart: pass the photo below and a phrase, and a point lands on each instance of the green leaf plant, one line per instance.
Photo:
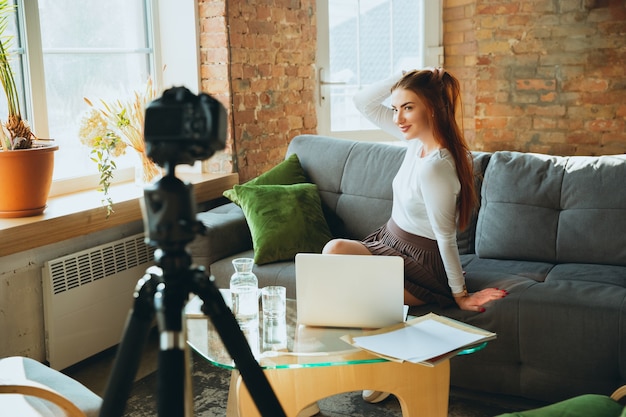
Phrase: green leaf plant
(16, 133)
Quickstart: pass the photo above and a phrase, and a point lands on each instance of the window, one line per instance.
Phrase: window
(364, 41)
(74, 49)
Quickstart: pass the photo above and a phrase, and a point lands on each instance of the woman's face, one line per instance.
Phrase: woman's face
(410, 114)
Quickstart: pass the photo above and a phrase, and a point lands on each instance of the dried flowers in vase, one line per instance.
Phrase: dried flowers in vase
(109, 129)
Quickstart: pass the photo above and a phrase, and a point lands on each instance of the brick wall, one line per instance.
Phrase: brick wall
(537, 75)
(540, 75)
(215, 70)
(271, 75)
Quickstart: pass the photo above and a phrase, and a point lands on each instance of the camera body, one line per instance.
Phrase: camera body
(181, 127)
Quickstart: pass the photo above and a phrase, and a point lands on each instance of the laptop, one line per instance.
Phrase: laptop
(353, 291)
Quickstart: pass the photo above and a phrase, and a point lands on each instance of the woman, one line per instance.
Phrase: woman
(433, 189)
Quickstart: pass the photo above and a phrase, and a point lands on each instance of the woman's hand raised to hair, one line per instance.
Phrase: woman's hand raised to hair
(476, 301)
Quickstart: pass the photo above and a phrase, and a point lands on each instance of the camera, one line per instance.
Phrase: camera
(181, 127)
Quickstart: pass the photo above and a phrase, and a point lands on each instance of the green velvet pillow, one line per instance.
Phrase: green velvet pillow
(283, 219)
(582, 406)
(287, 172)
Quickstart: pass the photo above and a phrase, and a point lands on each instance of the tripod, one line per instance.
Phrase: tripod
(170, 224)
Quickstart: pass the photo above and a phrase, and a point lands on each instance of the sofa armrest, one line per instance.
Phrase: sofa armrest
(226, 234)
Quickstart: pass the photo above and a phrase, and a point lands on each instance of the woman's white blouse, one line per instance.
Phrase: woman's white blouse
(425, 190)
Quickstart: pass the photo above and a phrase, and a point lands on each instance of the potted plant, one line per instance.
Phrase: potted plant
(26, 163)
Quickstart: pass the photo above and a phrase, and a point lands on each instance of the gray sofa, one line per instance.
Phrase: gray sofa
(550, 230)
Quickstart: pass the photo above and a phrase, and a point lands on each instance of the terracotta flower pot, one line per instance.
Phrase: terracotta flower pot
(25, 180)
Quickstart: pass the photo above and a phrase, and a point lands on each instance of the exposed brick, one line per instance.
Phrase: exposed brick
(569, 125)
(518, 20)
(454, 13)
(461, 25)
(582, 137)
(552, 67)
(211, 8)
(214, 86)
(491, 123)
(448, 4)
(492, 22)
(214, 71)
(524, 97)
(542, 85)
(462, 48)
(616, 140)
(549, 110)
(494, 47)
(544, 123)
(496, 135)
(562, 149)
(245, 116)
(605, 125)
(519, 123)
(496, 8)
(535, 6)
(548, 97)
(263, 12)
(216, 55)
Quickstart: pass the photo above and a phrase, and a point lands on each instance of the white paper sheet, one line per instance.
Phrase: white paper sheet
(418, 342)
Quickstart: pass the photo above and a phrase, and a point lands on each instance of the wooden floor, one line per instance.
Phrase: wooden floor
(94, 372)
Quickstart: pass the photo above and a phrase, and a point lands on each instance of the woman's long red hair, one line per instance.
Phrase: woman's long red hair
(440, 92)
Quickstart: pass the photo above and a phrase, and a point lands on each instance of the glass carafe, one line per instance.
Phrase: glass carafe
(244, 290)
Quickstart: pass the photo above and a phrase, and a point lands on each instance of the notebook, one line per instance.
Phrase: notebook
(349, 290)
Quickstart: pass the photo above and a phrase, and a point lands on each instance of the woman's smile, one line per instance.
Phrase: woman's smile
(404, 128)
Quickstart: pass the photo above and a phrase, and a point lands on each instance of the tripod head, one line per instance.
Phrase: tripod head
(180, 128)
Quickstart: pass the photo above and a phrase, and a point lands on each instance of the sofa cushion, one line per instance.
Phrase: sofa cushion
(593, 217)
(283, 220)
(354, 181)
(287, 172)
(554, 209)
(520, 207)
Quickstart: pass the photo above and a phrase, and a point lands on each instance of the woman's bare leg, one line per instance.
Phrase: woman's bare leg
(346, 247)
(411, 300)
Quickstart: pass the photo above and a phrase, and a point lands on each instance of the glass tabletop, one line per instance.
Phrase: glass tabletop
(283, 343)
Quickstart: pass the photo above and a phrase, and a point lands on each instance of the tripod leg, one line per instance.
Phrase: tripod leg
(169, 303)
(237, 346)
(129, 351)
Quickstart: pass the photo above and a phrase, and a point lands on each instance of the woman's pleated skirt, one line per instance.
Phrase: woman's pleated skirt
(424, 274)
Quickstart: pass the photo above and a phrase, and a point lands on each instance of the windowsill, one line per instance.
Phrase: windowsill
(72, 215)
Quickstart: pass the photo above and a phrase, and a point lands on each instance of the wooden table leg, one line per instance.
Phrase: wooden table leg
(421, 390)
(232, 410)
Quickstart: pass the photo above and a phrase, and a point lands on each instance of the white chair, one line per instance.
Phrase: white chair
(30, 388)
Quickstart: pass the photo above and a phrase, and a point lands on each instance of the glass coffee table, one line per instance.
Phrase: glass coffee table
(305, 364)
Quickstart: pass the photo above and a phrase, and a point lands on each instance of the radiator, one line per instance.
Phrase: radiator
(87, 297)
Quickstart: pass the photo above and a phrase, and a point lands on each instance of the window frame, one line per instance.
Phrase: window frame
(175, 47)
(432, 55)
